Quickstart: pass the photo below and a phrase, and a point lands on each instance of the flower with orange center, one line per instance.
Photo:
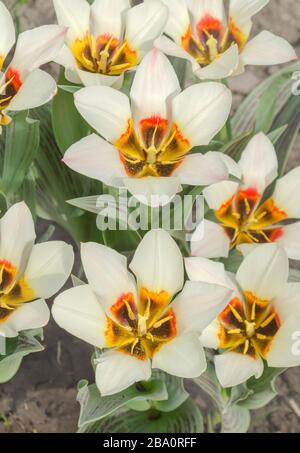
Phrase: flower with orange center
(245, 216)
(149, 139)
(140, 324)
(218, 46)
(28, 273)
(261, 323)
(22, 85)
(107, 38)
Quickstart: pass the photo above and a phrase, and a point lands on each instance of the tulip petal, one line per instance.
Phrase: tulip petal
(218, 194)
(17, 236)
(286, 194)
(184, 357)
(92, 79)
(8, 35)
(241, 13)
(210, 241)
(38, 89)
(95, 158)
(49, 267)
(168, 47)
(158, 263)
(221, 67)
(117, 371)
(79, 312)
(202, 8)
(105, 109)
(107, 274)
(210, 336)
(144, 23)
(287, 304)
(153, 191)
(202, 169)
(74, 14)
(264, 272)
(154, 84)
(290, 240)
(198, 305)
(37, 47)
(106, 17)
(267, 49)
(201, 111)
(207, 271)
(233, 368)
(259, 163)
(33, 315)
(285, 347)
(178, 21)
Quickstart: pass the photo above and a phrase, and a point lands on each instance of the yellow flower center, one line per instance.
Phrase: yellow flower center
(104, 55)
(249, 327)
(156, 151)
(141, 331)
(246, 222)
(211, 40)
(13, 294)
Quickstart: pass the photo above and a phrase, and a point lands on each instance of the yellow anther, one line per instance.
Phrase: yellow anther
(236, 215)
(212, 45)
(264, 235)
(149, 336)
(3, 101)
(250, 328)
(246, 347)
(262, 215)
(259, 336)
(134, 345)
(268, 320)
(129, 310)
(163, 321)
(247, 206)
(235, 313)
(5, 85)
(234, 331)
(253, 311)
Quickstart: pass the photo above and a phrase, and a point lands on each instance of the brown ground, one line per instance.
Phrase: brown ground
(42, 396)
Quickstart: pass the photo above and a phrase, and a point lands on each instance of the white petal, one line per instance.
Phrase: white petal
(201, 111)
(144, 23)
(158, 263)
(267, 49)
(49, 267)
(37, 47)
(184, 357)
(79, 312)
(201, 8)
(106, 17)
(74, 14)
(38, 89)
(17, 236)
(218, 194)
(105, 109)
(290, 240)
(202, 169)
(154, 84)
(221, 67)
(285, 347)
(117, 371)
(153, 191)
(259, 163)
(168, 47)
(8, 35)
(264, 271)
(286, 194)
(241, 12)
(210, 336)
(94, 157)
(106, 272)
(33, 315)
(210, 241)
(287, 304)
(66, 59)
(232, 167)
(178, 21)
(92, 79)
(233, 368)
(199, 304)
(207, 271)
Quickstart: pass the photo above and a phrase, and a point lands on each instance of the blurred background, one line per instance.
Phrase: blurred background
(42, 397)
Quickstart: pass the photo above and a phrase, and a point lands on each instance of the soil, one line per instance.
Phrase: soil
(42, 397)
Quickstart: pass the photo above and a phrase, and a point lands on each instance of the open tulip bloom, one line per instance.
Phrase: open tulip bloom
(146, 143)
(107, 38)
(138, 322)
(262, 321)
(28, 273)
(217, 46)
(246, 216)
(22, 84)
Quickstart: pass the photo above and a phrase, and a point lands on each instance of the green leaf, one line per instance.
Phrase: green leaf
(186, 419)
(235, 420)
(94, 407)
(177, 394)
(21, 146)
(68, 125)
